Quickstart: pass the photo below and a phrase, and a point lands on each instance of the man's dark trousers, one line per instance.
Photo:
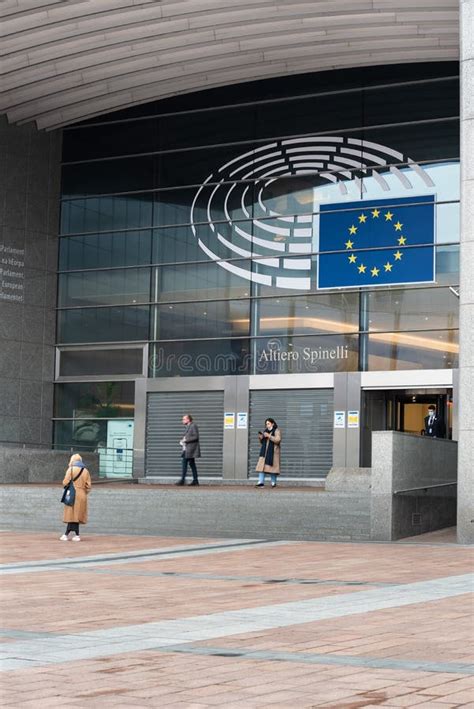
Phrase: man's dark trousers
(192, 465)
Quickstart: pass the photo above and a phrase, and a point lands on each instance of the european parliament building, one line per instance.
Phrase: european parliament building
(237, 212)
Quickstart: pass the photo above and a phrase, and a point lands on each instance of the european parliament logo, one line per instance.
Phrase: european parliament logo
(383, 242)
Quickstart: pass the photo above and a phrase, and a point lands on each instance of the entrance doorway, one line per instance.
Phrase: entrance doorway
(402, 410)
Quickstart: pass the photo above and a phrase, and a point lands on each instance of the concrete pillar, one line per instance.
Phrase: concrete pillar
(465, 519)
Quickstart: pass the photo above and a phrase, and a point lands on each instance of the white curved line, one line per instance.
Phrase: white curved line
(376, 146)
(402, 177)
(272, 262)
(297, 264)
(367, 156)
(275, 170)
(311, 164)
(252, 162)
(311, 155)
(378, 178)
(294, 283)
(260, 200)
(314, 139)
(328, 176)
(242, 202)
(226, 212)
(209, 218)
(262, 167)
(259, 242)
(246, 155)
(299, 248)
(233, 247)
(348, 161)
(426, 178)
(280, 231)
(258, 278)
(197, 194)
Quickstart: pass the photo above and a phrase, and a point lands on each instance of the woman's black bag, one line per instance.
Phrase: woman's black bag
(69, 494)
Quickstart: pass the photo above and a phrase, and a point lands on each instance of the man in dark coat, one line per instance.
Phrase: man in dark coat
(190, 449)
(434, 426)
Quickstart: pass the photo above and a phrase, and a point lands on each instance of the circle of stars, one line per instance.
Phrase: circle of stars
(350, 244)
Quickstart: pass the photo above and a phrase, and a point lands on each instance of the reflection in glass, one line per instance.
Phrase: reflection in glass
(94, 400)
(103, 324)
(81, 435)
(311, 314)
(207, 358)
(131, 285)
(83, 363)
(412, 309)
(106, 213)
(122, 248)
(228, 318)
(202, 281)
(413, 350)
(102, 177)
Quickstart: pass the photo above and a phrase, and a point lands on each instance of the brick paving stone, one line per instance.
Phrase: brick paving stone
(159, 678)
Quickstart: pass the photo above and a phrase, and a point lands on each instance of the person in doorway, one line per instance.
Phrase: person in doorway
(77, 514)
(434, 426)
(190, 450)
(269, 459)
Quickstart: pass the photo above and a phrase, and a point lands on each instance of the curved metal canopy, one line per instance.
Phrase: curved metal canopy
(67, 60)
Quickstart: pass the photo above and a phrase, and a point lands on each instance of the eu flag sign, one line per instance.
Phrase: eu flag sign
(383, 242)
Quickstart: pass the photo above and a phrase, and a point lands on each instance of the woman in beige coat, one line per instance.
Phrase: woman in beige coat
(77, 514)
(269, 459)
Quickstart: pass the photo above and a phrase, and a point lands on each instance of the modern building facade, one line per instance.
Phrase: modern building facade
(287, 247)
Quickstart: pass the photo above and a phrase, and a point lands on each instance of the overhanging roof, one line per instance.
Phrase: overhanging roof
(67, 60)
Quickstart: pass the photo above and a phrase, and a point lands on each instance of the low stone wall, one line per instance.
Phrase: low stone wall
(405, 467)
(39, 465)
(349, 480)
(196, 512)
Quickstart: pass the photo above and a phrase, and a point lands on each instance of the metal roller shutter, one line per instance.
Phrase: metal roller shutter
(164, 429)
(305, 417)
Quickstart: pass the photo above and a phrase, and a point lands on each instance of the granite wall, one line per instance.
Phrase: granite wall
(402, 462)
(29, 215)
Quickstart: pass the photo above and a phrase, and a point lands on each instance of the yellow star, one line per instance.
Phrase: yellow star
(362, 268)
(388, 266)
(352, 229)
(375, 213)
(349, 244)
(398, 255)
(398, 226)
(374, 271)
(362, 218)
(352, 258)
(402, 240)
(388, 216)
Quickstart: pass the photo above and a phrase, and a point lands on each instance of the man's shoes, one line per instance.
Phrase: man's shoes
(180, 482)
(259, 485)
(64, 538)
(76, 538)
(194, 482)
(274, 484)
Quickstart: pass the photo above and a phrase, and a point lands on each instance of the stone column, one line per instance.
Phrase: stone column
(465, 519)
(30, 171)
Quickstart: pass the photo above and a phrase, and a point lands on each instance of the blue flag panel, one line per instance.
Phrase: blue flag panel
(389, 229)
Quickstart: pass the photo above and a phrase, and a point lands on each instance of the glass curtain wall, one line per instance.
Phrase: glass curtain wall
(308, 224)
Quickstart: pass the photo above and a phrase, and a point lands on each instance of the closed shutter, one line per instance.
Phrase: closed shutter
(305, 417)
(164, 430)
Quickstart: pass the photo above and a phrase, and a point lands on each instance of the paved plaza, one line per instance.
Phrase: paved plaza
(130, 621)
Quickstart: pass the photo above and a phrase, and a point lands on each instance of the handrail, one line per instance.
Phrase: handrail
(425, 487)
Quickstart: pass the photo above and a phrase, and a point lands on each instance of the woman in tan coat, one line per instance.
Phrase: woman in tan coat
(77, 514)
(269, 459)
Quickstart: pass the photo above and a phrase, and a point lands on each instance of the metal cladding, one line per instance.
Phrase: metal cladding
(67, 61)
